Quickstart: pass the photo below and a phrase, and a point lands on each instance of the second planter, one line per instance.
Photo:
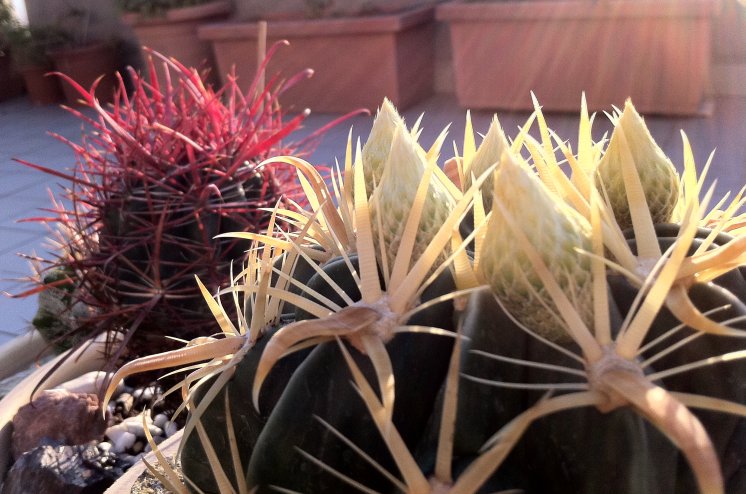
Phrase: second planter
(655, 51)
(356, 61)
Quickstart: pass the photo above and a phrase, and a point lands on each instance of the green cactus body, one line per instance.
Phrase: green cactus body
(578, 451)
(59, 314)
(608, 381)
(556, 231)
(321, 388)
(728, 432)
(658, 177)
(247, 421)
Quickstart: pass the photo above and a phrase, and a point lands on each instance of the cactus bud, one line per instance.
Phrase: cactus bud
(377, 147)
(556, 232)
(658, 177)
(490, 152)
(392, 200)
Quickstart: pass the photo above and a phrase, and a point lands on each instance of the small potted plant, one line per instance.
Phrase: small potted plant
(170, 27)
(359, 51)
(31, 46)
(11, 84)
(85, 60)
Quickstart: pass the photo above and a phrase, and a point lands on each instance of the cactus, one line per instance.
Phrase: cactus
(158, 176)
(429, 374)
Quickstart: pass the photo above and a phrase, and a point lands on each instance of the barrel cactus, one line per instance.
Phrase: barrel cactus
(354, 366)
(158, 176)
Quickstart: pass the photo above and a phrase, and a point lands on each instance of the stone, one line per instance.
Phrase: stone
(121, 439)
(57, 415)
(145, 394)
(160, 420)
(135, 426)
(126, 401)
(171, 429)
(67, 469)
(91, 383)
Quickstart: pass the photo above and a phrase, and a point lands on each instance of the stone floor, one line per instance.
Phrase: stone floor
(24, 134)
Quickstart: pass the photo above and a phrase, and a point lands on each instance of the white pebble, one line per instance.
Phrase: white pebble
(90, 382)
(135, 426)
(170, 429)
(160, 420)
(105, 446)
(122, 440)
(144, 394)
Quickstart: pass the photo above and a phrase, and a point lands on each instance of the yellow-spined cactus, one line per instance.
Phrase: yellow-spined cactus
(632, 145)
(558, 234)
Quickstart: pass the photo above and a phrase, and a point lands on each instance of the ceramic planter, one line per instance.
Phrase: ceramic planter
(41, 89)
(175, 33)
(655, 51)
(356, 60)
(85, 64)
(11, 84)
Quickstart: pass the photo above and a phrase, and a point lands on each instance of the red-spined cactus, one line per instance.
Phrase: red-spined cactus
(158, 175)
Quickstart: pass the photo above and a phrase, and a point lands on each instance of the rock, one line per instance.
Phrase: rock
(170, 429)
(135, 426)
(57, 415)
(160, 420)
(65, 469)
(121, 439)
(126, 401)
(145, 394)
(138, 447)
(91, 383)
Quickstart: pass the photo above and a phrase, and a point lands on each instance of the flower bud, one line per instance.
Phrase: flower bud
(377, 147)
(660, 182)
(392, 200)
(556, 232)
(490, 151)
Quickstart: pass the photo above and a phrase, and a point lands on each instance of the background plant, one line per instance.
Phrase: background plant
(157, 176)
(155, 7)
(31, 44)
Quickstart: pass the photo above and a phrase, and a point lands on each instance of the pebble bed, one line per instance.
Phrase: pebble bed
(124, 441)
(125, 435)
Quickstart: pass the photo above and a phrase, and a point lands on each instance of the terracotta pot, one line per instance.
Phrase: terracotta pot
(41, 89)
(175, 34)
(356, 61)
(89, 357)
(11, 84)
(85, 64)
(655, 51)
